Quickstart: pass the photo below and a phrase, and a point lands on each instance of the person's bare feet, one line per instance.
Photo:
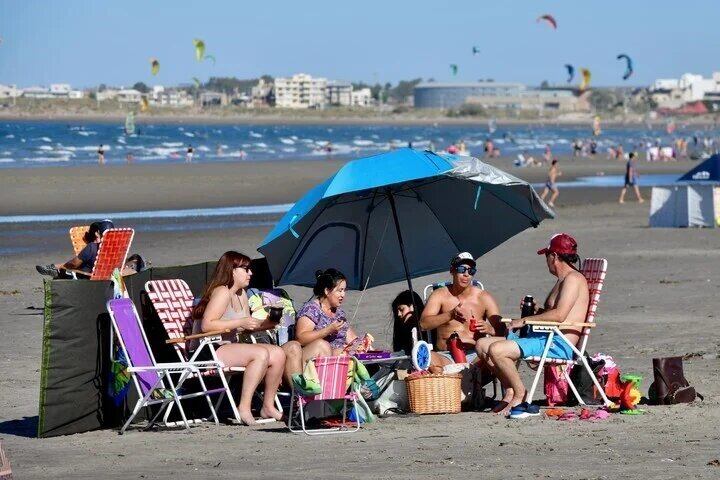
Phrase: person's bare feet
(551, 204)
(506, 400)
(516, 400)
(641, 201)
(247, 417)
(271, 412)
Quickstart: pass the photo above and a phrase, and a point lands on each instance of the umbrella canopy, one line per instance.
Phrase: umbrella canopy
(707, 171)
(398, 215)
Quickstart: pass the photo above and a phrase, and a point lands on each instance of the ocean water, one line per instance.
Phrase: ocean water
(38, 144)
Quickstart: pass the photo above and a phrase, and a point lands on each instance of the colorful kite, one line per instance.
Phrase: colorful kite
(628, 65)
(550, 19)
(197, 82)
(571, 72)
(154, 66)
(476, 50)
(210, 57)
(453, 69)
(586, 77)
(144, 104)
(199, 49)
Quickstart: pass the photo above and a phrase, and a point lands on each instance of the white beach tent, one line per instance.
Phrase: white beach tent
(685, 205)
(694, 201)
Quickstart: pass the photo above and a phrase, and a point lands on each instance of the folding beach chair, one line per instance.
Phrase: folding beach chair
(77, 237)
(112, 254)
(332, 375)
(153, 381)
(594, 270)
(173, 301)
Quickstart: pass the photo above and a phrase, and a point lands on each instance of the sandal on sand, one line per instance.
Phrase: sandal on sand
(568, 416)
(554, 412)
(499, 406)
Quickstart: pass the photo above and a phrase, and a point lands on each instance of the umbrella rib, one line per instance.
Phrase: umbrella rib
(367, 225)
(533, 221)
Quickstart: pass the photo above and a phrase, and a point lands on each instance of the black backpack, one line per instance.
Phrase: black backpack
(584, 384)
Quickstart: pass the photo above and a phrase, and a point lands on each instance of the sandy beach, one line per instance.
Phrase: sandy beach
(658, 301)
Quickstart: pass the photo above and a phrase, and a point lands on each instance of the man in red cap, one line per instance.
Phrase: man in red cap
(567, 302)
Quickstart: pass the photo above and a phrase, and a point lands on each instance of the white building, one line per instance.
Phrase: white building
(159, 96)
(300, 91)
(36, 92)
(339, 93)
(129, 95)
(9, 91)
(690, 87)
(262, 94)
(107, 94)
(362, 98)
(60, 90)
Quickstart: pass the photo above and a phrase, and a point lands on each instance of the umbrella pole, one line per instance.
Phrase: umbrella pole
(416, 308)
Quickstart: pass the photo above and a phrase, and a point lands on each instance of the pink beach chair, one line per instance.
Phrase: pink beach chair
(153, 381)
(594, 270)
(332, 375)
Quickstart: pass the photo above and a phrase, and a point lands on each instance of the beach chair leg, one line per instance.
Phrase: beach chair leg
(572, 387)
(209, 402)
(229, 394)
(177, 402)
(135, 411)
(540, 369)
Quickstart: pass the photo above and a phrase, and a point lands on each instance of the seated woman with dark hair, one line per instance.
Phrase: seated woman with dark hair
(322, 328)
(85, 260)
(404, 320)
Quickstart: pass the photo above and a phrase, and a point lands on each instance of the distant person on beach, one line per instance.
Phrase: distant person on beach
(577, 147)
(322, 327)
(551, 183)
(189, 154)
(129, 158)
(101, 154)
(567, 302)
(463, 308)
(631, 179)
(224, 305)
(593, 147)
(547, 155)
(85, 260)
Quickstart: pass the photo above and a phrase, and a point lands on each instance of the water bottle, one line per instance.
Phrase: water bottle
(528, 309)
(455, 348)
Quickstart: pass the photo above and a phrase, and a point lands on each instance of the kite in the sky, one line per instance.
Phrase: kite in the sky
(571, 72)
(199, 49)
(453, 69)
(154, 66)
(586, 76)
(628, 65)
(210, 57)
(197, 82)
(550, 19)
(144, 104)
(476, 50)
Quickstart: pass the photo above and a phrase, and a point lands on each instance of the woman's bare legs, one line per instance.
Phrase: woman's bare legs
(293, 360)
(318, 348)
(273, 377)
(255, 359)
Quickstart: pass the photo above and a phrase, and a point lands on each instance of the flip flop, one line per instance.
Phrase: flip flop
(499, 406)
(586, 414)
(568, 417)
(554, 412)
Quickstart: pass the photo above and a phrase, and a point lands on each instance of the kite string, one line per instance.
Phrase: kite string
(382, 240)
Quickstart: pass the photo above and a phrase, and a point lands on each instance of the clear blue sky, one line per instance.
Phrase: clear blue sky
(85, 42)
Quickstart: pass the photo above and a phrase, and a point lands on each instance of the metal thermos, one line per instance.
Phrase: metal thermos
(455, 348)
(528, 309)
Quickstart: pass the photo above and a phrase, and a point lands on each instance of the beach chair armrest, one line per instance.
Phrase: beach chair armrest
(541, 323)
(82, 273)
(197, 335)
(163, 367)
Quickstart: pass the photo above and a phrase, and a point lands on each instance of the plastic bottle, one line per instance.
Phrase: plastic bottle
(455, 348)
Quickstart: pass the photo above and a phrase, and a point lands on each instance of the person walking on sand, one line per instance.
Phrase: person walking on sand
(101, 154)
(551, 183)
(631, 179)
(547, 156)
(189, 154)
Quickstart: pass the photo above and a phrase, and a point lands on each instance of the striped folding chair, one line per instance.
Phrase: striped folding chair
(594, 270)
(112, 254)
(332, 375)
(77, 237)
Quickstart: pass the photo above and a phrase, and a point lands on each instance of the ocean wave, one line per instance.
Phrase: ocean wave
(7, 160)
(287, 141)
(172, 144)
(86, 133)
(255, 135)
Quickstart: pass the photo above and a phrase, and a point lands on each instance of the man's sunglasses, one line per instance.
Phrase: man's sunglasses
(466, 269)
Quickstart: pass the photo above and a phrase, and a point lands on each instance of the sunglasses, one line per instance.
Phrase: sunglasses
(466, 269)
(245, 267)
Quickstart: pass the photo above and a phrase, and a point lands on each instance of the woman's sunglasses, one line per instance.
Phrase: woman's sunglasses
(245, 267)
(466, 269)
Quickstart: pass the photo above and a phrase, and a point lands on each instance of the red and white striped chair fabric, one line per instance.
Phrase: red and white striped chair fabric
(594, 270)
(173, 302)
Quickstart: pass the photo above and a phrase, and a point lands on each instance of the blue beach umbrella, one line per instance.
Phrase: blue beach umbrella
(399, 215)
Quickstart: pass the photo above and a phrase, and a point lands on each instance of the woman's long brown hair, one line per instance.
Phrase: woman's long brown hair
(222, 276)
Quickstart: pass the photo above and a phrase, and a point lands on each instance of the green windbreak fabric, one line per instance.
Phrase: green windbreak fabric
(76, 343)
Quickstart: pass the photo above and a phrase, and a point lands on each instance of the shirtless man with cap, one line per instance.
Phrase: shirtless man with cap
(567, 302)
(451, 309)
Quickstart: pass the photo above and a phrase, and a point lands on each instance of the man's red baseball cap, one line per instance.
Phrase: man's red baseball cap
(561, 243)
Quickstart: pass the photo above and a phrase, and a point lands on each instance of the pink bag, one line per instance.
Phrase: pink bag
(556, 386)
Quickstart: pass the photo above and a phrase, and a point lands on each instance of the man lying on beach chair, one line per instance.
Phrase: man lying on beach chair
(566, 305)
(84, 259)
(463, 308)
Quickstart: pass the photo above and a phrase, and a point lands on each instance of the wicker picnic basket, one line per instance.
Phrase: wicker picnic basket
(434, 393)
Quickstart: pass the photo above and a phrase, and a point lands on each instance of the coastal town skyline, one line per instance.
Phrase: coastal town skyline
(375, 43)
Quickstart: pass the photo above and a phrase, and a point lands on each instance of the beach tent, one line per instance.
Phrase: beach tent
(694, 201)
(75, 366)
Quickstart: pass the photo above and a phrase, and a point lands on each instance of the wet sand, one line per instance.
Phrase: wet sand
(660, 300)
